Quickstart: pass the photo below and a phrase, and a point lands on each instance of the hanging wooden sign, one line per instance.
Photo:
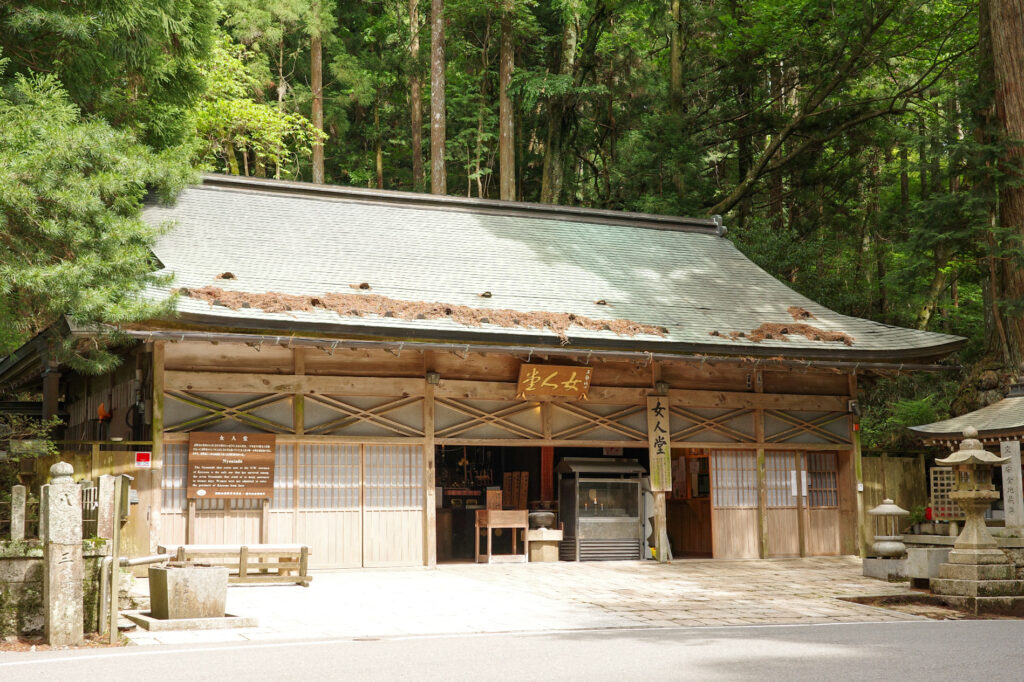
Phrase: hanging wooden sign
(230, 466)
(660, 441)
(553, 381)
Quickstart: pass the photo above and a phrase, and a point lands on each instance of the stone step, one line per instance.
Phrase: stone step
(1001, 606)
(977, 588)
(977, 572)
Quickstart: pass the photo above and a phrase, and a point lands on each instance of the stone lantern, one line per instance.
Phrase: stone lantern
(888, 539)
(974, 492)
(977, 577)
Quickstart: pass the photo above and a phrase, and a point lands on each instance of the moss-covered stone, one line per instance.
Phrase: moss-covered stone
(17, 549)
(21, 597)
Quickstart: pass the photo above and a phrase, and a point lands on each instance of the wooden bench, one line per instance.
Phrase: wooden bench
(250, 563)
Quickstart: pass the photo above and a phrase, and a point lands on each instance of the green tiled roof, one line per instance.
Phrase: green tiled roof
(678, 274)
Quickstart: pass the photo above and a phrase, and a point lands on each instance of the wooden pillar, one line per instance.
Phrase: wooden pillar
(155, 497)
(264, 520)
(858, 474)
(51, 390)
(190, 522)
(94, 466)
(660, 524)
(762, 473)
(762, 503)
(299, 427)
(298, 399)
(800, 467)
(547, 473)
(429, 496)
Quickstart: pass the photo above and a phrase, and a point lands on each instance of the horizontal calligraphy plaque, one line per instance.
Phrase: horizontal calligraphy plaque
(230, 466)
(562, 381)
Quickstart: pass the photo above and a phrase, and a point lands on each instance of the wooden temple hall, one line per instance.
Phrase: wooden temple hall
(382, 376)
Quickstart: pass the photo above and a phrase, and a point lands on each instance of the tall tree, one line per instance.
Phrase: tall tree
(316, 69)
(506, 142)
(137, 64)
(1007, 41)
(438, 173)
(72, 241)
(415, 95)
(559, 110)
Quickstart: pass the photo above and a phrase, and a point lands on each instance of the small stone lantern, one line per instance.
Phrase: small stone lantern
(973, 490)
(888, 539)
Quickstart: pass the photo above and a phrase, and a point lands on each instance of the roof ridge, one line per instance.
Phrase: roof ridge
(465, 204)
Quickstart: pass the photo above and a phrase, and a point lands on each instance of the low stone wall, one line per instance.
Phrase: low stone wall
(21, 585)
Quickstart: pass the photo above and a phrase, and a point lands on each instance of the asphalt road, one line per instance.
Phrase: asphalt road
(899, 652)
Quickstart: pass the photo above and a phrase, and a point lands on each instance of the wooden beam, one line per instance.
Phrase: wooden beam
(533, 443)
(501, 390)
(750, 401)
(182, 437)
(229, 382)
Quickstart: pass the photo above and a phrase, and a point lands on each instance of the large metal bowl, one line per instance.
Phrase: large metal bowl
(542, 519)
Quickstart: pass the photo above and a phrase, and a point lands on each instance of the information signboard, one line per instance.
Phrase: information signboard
(553, 381)
(230, 466)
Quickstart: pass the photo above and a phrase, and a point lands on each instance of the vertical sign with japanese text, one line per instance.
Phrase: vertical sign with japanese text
(661, 443)
(1013, 505)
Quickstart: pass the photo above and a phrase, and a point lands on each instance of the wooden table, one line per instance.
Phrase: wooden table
(490, 519)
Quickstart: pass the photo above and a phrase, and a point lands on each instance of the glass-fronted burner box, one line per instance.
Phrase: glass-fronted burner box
(599, 502)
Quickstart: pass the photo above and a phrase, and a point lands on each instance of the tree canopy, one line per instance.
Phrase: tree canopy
(859, 150)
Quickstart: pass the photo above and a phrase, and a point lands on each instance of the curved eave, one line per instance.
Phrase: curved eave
(365, 329)
(1001, 420)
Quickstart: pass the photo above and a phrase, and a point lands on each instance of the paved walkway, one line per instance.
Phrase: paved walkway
(470, 598)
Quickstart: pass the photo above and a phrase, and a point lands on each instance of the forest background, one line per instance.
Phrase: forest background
(865, 152)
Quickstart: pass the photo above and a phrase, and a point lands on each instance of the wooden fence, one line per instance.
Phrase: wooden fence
(901, 479)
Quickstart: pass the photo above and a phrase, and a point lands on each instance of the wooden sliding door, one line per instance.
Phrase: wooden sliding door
(822, 508)
(734, 504)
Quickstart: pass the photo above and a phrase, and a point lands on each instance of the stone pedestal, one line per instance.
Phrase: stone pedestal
(181, 590)
(891, 570)
(978, 577)
(543, 544)
(61, 512)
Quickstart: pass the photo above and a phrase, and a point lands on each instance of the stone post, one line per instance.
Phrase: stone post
(105, 512)
(61, 508)
(18, 512)
(1013, 494)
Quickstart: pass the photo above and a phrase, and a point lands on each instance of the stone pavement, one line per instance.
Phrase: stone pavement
(471, 598)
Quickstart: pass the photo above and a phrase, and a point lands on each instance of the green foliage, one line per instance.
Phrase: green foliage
(22, 438)
(230, 121)
(72, 241)
(136, 64)
(848, 144)
(890, 406)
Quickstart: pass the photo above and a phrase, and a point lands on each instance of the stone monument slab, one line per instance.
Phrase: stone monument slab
(1013, 494)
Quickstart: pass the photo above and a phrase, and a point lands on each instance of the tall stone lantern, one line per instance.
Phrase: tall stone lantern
(974, 492)
(977, 577)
